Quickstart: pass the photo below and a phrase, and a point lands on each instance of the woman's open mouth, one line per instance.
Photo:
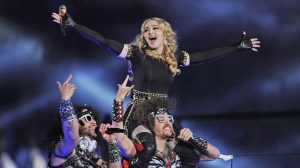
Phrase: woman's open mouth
(152, 39)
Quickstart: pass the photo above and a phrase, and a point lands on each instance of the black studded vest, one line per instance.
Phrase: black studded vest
(81, 159)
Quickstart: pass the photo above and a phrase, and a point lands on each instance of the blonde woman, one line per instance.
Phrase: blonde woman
(154, 62)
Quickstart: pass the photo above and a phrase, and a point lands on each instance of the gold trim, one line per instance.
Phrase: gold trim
(153, 55)
(185, 57)
(130, 51)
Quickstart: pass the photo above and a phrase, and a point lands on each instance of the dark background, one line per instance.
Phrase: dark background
(245, 104)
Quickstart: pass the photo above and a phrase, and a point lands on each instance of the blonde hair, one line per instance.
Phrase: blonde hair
(170, 46)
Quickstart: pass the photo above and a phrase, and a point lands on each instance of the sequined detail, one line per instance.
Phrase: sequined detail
(184, 58)
(154, 55)
(81, 159)
(130, 51)
(159, 112)
(138, 95)
(113, 152)
(66, 110)
(245, 44)
(202, 144)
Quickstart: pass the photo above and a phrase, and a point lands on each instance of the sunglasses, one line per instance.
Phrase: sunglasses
(88, 118)
(164, 118)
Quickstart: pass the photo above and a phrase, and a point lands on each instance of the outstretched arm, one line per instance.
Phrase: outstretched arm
(210, 152)
(117, 48)
(69, 120)
(206, 56)
(206, 150)
(126, 145)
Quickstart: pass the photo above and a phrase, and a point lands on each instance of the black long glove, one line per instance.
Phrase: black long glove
(67, 21)
(111, 45)
(245, 43)
(217, 53)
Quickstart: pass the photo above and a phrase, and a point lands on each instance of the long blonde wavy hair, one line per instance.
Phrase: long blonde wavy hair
(170, 46)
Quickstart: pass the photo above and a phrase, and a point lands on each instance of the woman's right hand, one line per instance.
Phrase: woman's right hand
(66, 19)
(66, 89)
(57, 18)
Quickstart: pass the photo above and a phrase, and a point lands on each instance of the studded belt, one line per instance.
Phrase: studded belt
(138, 95)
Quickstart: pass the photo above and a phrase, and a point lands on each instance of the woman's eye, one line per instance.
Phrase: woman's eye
(154, 28)
(145, 30)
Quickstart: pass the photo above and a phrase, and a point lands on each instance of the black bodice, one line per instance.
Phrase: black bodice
(150, 74)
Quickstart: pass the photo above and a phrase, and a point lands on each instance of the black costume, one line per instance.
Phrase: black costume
(152, 77)
(81, 159)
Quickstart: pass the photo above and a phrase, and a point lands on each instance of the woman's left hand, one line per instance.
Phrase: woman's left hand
(252, 43)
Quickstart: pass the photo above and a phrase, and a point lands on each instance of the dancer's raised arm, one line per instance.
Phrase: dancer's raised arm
(125, 144)
(69, 120)
(115, 47)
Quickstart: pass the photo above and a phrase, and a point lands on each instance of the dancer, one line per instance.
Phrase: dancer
(153, 117)
(139, 150)
(155, 58)
(75, 144)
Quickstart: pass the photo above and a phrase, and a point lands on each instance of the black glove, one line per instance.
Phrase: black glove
(67, 21)
(245, 43)
(190, 156)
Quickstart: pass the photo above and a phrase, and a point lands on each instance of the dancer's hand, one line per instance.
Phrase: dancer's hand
(185, 134)
(66, 89)
(57, 17)
(123, 90)
(252, 43)
(107, 137)
(66, 18)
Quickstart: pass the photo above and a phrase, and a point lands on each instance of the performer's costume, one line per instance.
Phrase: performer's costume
(81, 159)
(170, 160)
(152, 77)
(85, 155)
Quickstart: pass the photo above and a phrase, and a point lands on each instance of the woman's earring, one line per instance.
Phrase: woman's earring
(165, 42)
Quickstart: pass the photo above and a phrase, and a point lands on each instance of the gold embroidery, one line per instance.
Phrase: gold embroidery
(155, 56)
(130, 51)
(185, 57)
